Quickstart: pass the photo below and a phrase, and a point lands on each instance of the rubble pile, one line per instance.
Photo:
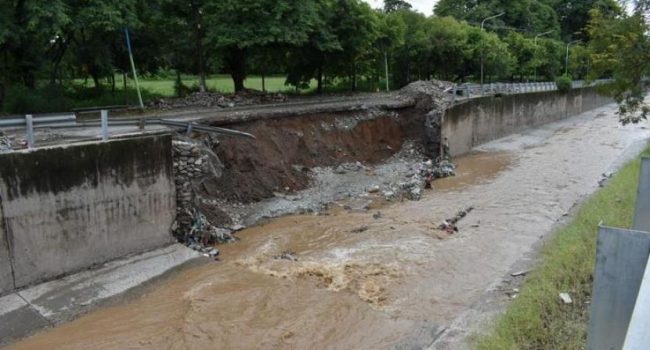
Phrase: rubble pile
(192, 227)
(422, 177)
(422, 174)
(215, 99)
(5, 143)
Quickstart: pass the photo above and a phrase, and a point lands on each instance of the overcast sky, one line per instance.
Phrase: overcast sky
(424, 6)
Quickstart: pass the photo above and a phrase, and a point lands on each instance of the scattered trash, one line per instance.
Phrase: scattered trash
(520, 273)
(604, 178)
(566, 298)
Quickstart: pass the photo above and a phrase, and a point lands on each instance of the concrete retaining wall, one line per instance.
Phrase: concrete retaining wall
(481, 120)
(68, 208)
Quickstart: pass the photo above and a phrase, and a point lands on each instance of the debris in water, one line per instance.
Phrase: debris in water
(291, 256)
(604, 178)
(566, 298)
(360, 229)
(449, 225)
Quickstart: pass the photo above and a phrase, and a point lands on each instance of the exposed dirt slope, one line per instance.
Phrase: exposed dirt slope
(285, 149)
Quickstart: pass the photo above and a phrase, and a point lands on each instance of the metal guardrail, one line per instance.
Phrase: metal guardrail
(468, 91)
(69, 121)
(620, 304)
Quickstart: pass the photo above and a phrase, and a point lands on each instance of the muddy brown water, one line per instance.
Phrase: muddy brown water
(359, 282)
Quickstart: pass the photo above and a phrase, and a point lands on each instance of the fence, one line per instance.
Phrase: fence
(467, 91)
(69, 121)
(620, 304)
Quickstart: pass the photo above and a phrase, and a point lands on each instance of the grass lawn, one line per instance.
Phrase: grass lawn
(222, 83)
(537, 319)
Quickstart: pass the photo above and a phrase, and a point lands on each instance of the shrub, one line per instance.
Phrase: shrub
(564, 83)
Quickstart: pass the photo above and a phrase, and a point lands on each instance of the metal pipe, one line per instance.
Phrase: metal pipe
(135, 75)
(29, 127)
(104, 116)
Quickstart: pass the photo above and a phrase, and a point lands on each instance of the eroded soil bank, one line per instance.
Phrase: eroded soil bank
(380, 278)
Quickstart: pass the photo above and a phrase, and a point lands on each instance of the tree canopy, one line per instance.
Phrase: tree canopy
(337, 43)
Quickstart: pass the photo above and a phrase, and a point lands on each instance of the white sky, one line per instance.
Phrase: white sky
(424, 6)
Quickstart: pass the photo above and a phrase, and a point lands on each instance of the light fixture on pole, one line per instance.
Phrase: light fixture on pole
(537, 36)
(566, 59)
(483, 24)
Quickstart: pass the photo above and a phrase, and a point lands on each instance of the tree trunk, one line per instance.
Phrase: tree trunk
(113, 83)
(237, 68)
(126, 94)
(2, 94)
(354, 78)
(319, 78)
(263, 83)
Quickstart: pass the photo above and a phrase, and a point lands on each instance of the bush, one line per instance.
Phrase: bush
(564, 83)
(20, 100)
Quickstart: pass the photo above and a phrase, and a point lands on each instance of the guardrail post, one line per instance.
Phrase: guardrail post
(469, 92)
(104, 114)
(29, 128)
(453, 94)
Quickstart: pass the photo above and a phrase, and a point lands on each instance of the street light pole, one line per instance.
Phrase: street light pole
(537, 36)
(482, 25)
(566, 59)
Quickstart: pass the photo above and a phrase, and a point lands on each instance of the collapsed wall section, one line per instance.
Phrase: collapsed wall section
(67, 208)
(285, 150)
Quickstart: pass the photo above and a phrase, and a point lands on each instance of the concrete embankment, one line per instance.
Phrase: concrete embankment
(484, 119)
(71, 207)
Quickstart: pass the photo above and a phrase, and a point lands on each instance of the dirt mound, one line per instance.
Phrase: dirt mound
(217, 100)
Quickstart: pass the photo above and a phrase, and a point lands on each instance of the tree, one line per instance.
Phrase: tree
(574, 15)
(523, 50)
(236, 26)
(308, 61)
(531, 16)
(396, 5)
(620, 48)
(356, 29)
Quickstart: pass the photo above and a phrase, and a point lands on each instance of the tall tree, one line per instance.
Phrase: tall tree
(621, 48)
(236, 26)
(396, 5)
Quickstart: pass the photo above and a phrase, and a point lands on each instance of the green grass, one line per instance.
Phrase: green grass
(221, 83)
(537, 319)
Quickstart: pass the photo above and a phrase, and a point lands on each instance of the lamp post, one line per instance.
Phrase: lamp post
(537, 36)
(566, 59)
(482, 24)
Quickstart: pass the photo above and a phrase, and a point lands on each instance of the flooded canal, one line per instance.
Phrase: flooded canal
(379, 279)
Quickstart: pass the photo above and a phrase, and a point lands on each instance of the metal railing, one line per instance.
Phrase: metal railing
(69, 121)
(467, 91)
(620, 301)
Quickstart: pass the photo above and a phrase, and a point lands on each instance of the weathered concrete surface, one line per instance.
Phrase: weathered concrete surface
(68, 208)
(481, 120)
(25, 312)
(6, 278)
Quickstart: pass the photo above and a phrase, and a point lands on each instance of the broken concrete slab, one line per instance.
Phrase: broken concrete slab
(24, 312)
